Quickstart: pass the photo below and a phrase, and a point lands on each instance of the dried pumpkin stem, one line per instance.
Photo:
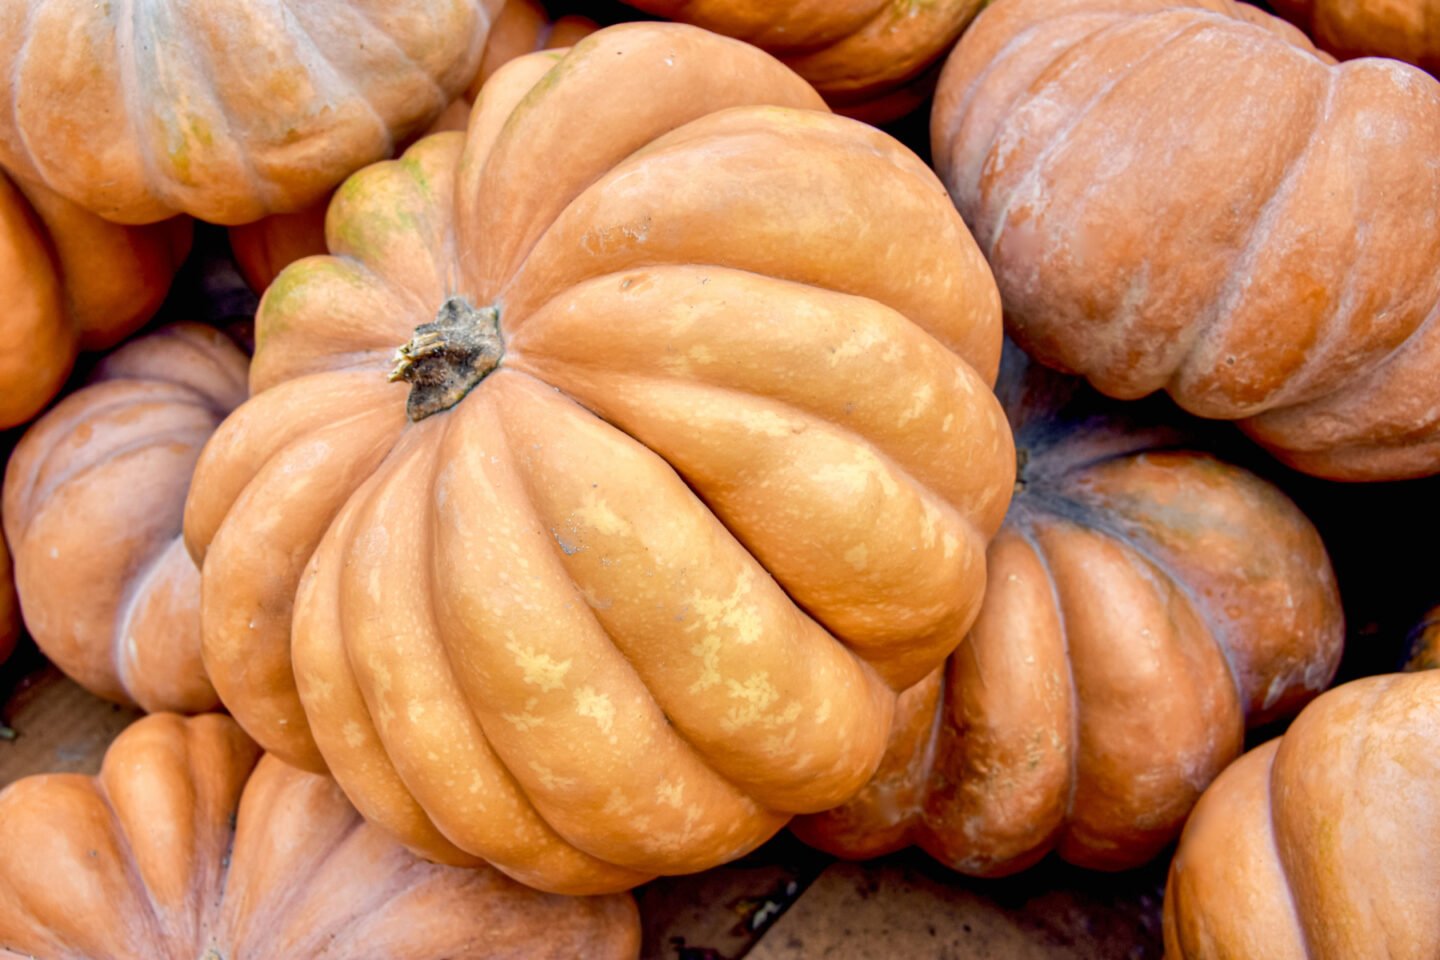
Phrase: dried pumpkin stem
(449, 356)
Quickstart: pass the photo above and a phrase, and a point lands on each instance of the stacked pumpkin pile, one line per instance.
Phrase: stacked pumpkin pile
(629, 464)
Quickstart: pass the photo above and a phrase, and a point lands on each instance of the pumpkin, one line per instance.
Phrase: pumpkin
(871, 59)
(72, 282)
(686, 463)
(226, 111)
(1318, 844)
(1404, 29)
(1147, 602)
(1184, 195)
(185, 846)
(263, 248)
(93, 502)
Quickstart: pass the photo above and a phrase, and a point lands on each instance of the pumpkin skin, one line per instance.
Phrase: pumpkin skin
(263, 248)
(226, 111)
(871, 59)
(93, 503)
(596, 634)
(73, 282)
(185, 846)
(1275, 263)
(1318, 844)
(1407, 30)
(1146, 604)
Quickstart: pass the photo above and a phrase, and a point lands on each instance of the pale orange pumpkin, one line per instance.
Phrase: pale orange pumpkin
(263, 248)
(1185, 195)
(1147, 602)
(184, 846)
(688, 463)
(72, 282)
(1404, 29)
(93, 502)
(1320, 844)
(870, 59)
(226, 111)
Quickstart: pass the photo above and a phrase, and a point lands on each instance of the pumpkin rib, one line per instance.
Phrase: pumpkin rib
(112, 455)
(338, 80)
(1220, 311)
(130, 89)
(1302, 934)
(1061, 138)
(264, 493)
(955, 118)
(1027, 533)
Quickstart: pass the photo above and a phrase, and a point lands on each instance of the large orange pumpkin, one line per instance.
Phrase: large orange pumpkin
(1404, 29)
(71, 282)
(870, 59)
(226, 111)
(265, 247)
(688, 462)
(1184, 195)
(1147, 602)
(184, 846)
(1320, 844)
(93, 502)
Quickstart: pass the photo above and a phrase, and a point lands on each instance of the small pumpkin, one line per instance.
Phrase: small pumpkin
(1407, 30)
(1185, 195)
(72, 282)
(1146, 603)
(686, 464)
(93, 502)
(225, 111)
(265, 247)
(185, 846)
(871, 59)
(1319, 844)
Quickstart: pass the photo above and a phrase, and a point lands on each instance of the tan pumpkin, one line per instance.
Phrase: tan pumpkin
(72, 282)
(185, 846)
(688, 463)
(1184, 195)
(1404, 29)
(870, 59)
(1147, 602)
(1319, 844)
(93, 503)
(227, 111)
(265, 247)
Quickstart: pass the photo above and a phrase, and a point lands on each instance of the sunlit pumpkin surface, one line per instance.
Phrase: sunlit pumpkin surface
(687, 464)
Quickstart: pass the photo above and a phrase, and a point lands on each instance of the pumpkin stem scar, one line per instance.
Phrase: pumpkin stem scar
(448, 357)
